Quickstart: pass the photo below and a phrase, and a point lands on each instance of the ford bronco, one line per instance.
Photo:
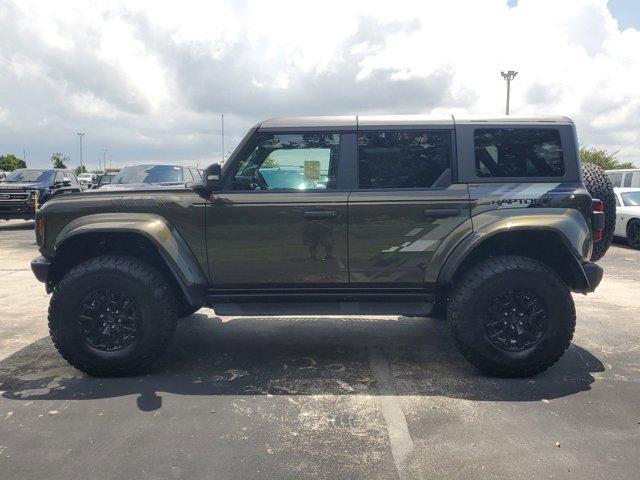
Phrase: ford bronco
(487, 220)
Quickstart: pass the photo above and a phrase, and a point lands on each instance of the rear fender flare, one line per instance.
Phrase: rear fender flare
(567, 224)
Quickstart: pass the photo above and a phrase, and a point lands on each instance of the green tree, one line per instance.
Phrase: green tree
(9, 163)
(59, 160)
(80, 169)
(603, 159)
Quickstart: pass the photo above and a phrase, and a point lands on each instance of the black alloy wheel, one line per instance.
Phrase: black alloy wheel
(515, 320)
(110, 319)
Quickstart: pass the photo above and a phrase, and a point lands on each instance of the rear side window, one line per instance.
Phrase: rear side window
(518, 152)
(404, 159)
(615, 178)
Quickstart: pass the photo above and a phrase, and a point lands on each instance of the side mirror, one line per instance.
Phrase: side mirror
(66, 182)
(211, 182)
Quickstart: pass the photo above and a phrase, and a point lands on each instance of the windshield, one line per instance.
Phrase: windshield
(85, 175)
(31, 176)
(149, 174)
(106, 178)
(631, 199)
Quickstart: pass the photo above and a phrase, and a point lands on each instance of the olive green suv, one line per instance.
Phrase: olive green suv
(484, 220)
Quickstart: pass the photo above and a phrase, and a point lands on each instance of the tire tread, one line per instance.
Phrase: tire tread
(473, 281)
(131, 266)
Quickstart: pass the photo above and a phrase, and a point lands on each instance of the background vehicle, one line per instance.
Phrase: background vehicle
(144, 176)
(20, 188)
(488, 220)
(3, 175)
(624, 178)
(105, 178)
(628, 215)
(87, 179)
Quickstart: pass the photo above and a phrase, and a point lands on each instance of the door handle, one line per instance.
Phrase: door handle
(441, 212)
(320, 214)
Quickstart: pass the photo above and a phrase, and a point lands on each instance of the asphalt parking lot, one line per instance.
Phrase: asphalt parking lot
(334, 398)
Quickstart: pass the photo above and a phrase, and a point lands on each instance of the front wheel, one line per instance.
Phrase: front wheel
(112, 315)
(512, 316)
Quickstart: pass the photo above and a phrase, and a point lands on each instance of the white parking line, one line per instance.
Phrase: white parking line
(401, 443)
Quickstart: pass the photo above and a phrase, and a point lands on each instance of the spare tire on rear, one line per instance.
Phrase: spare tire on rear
(599, 186)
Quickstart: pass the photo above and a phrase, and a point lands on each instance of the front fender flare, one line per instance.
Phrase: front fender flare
(172, 247)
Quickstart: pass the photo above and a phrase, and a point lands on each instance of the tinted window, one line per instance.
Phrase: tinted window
(290, 162)
(518, 152)
(404, 159)
(627, 179)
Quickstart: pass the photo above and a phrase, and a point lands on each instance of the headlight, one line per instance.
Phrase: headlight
(32, 193)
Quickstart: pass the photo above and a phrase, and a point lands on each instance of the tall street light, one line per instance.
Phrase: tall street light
(508, 76)
(80, 134)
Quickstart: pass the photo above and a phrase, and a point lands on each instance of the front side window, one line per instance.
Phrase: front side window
(518, 152)
(404, 159)
(306, 161)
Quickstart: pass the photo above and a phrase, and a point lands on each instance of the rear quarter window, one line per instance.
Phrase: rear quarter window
(518, 153)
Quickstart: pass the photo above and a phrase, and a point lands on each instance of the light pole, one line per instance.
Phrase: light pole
(508, 76)
(80, 134)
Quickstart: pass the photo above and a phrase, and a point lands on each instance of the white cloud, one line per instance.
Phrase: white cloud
(148, 80)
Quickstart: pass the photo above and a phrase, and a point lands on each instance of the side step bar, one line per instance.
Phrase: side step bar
(355, 300)
(322, 308)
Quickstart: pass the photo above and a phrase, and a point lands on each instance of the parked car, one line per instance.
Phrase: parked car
(488, 220)
(105, 178)
(151, 176)
(628, 215)
(23, 187)
(87, 179)
(624, 178)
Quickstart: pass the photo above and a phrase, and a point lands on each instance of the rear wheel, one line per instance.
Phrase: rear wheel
(511, 316)
(112, 315)
(633, 233)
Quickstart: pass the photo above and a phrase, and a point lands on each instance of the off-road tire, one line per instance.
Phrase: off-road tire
(599, 186)
(470, 300)
(149, 289)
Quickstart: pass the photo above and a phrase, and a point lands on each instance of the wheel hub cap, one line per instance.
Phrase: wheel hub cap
(109, 319)
(515, 320)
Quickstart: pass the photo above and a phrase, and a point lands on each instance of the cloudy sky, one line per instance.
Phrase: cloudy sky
(148, 80)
